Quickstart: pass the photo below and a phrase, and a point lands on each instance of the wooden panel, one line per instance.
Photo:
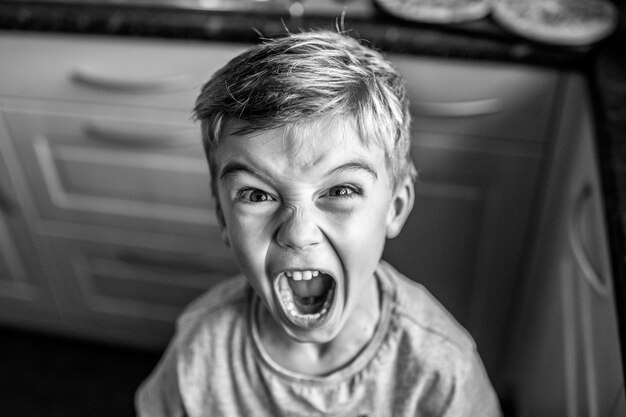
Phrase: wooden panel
(155, 179)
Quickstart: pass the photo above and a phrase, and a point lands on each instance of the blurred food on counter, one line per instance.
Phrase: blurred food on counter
(557, 22)
(437, 11)
(560, 22)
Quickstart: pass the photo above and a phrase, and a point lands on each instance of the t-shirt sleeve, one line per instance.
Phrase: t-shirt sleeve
(162, 393)
(474, 395)
(159, 395)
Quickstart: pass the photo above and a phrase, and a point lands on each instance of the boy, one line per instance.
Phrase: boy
(308, 143)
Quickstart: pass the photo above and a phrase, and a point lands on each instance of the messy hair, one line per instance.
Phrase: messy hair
(294, 82)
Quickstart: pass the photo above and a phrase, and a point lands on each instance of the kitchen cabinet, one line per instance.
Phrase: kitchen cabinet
(110, 178)
(111, 181)
(566, 358)
(481, 131)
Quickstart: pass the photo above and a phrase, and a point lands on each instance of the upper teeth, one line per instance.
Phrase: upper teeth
(302, 275)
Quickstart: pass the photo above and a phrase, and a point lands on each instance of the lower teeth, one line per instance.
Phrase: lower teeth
(290, 305)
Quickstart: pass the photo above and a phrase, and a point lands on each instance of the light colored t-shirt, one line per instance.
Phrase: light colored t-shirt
(420, 362)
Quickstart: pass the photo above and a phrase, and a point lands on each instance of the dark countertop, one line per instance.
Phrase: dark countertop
(480, 39)
(604, 64)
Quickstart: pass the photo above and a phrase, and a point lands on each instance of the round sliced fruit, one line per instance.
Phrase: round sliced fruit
(559, 22)
(436, 11)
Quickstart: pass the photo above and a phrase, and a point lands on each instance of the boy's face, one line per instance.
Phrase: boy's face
(307, 219)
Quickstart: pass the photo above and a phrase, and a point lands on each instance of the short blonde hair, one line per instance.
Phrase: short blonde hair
(292, 81)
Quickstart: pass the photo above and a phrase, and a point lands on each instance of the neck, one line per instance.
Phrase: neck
(323, 358)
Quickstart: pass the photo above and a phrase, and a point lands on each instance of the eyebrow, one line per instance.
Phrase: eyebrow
(232, 168)
(355, 166)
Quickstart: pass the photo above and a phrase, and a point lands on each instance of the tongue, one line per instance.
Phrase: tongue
(313, 288)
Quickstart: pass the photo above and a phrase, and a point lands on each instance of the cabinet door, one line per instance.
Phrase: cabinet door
(465, 237)
(603, 383)
(479, 135)
(566, 358)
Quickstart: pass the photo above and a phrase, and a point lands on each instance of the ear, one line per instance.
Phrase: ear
(400, 207)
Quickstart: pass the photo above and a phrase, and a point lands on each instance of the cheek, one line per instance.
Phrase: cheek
(360, 237)
(250, 245)
(249, 237)
(368, 220)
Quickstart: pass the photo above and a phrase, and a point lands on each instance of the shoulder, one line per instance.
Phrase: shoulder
(205, 339)
(422, 317)
(224, 295)
(435, 351)
(211, 328)
(217, 309)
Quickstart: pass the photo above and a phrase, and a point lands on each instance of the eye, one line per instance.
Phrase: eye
(344, 191)
(254, 195)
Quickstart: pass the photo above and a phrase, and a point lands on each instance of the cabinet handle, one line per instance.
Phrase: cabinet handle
(577, 243)
(140, 137)
(99, 80)
(189, 264)
(457, 109)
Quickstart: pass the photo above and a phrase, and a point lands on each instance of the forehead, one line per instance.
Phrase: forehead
(299, 148)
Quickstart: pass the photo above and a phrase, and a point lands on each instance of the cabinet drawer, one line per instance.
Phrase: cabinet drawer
(156, 73)
(134, 292)
(479, 99)
(148, 172)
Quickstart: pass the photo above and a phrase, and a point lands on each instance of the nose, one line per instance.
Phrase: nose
(298, 231)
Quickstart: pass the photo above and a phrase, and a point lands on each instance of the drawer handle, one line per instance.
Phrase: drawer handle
(458, 109)
(93, 78)
(187, 264)
(577, 243)
(139, 137)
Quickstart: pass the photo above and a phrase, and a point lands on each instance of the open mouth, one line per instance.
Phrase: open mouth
(306, 296)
